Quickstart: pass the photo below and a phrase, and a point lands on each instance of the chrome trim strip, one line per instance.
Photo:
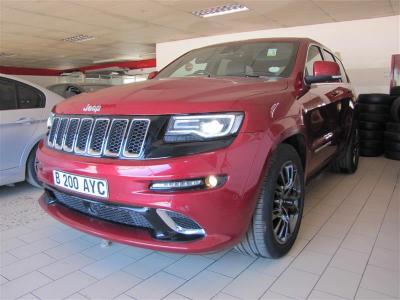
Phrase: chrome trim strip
(162, 213)
(126, 153)
(320, 148)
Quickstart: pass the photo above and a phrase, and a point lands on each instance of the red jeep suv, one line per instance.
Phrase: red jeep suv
(212, 152)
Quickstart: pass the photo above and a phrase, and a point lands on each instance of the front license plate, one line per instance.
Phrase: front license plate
(81, 184)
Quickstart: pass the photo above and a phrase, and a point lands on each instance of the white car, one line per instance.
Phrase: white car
(24, 109)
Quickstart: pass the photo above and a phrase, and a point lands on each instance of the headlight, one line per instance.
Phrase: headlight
(50, 120)
(202, 127)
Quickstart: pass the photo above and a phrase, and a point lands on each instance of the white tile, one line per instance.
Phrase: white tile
(111, 286)
(315, 219)
(65, 286)
(28, 296)
(231, 264)
(77, 296)
(65, 266)
(66, 235)
(189, 266)
(249, 285)
(68, 248)
(307, 232)
(350, 260)
(363, 294)
(14, 232)
(335, 230)
(23, 285)
(358, 242)
(6, 259)
(318, 295)
(381, 280)
(34, 248)
(312, 262)
(2, 280)
(98, 252)
(39, 234)
(323, 244)
(155, 287)
(11, 243)
(135, 252)
(388, 241)
(295, 283)
(108, 265)
(26, 265)
(175, 296)
(204, 285)
(269, 295)
(217, 255)
(297, 247)
(385, 258)
(367, 229)
(339, 282)
(271, 267)
(149, 265)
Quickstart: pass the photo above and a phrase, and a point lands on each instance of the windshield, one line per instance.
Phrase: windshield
(257, 59)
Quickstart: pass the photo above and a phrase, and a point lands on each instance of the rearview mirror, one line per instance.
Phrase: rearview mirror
(152, 75)
(324, 71)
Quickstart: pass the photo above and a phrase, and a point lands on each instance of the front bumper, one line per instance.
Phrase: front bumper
(223, 213)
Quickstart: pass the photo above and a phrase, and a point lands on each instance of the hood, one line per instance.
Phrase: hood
(170, 96)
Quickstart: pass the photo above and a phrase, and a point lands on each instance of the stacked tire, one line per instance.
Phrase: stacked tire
(392, 133)
(374, 112)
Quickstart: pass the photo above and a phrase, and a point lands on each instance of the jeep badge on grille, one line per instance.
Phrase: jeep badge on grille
(92, 108)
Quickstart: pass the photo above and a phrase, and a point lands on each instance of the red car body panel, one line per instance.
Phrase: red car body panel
(274, 111)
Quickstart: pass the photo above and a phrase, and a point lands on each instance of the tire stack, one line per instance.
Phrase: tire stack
(374, 112)
(392, 132)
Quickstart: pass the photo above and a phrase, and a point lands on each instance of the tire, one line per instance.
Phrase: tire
(371, 135)
(393, 155)
(31, 176)
(391, 126)
(375, 99)
(392, 136)
(260, 239)
(363, 125)
(395, 91)
(348, 163)
(395, 110)
(392, 146)
(380, 118)
(374, 108)
(371, 152)
(371, 144)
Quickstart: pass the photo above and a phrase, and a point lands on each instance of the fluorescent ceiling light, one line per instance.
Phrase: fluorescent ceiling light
(78, 38)
(220, 10)
(124, 58)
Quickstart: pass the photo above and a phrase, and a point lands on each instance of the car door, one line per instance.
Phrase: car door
(319, 114)
(20, 113)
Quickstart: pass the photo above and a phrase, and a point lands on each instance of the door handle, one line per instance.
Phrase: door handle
(24, 120)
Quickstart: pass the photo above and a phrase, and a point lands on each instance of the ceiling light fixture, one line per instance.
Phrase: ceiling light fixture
(79, 38)
(220, 10)
(7, 54)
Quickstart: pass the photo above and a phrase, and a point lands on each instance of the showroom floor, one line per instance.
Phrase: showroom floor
(348, 247)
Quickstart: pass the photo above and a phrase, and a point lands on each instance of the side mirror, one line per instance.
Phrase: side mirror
(152, 75)
(324, 71)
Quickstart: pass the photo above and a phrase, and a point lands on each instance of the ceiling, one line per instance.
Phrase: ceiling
(31, 31)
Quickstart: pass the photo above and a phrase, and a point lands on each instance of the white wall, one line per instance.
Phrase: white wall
(365, 47)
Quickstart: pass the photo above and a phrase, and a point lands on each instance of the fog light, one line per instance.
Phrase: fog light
(211, 181)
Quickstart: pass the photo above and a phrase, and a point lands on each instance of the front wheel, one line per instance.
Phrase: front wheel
(277, 216)
(31, 175)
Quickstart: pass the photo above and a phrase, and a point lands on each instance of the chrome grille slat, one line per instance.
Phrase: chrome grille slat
(99, 136)
(83, 135)
(60, 133)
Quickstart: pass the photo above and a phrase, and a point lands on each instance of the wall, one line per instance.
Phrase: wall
(44, 81)
(365, 47)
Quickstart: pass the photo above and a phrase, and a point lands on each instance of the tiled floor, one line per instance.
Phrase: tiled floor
(348, 247)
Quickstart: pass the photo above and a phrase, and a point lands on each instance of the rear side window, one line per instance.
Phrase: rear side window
(314, 54)
(328, 56)
(8, 95)
(29, 97)
(343, 73)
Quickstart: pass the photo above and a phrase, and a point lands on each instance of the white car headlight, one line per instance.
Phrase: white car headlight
(202, 127)
(50, 120)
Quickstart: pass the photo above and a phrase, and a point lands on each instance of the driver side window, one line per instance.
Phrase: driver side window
(314, 54)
